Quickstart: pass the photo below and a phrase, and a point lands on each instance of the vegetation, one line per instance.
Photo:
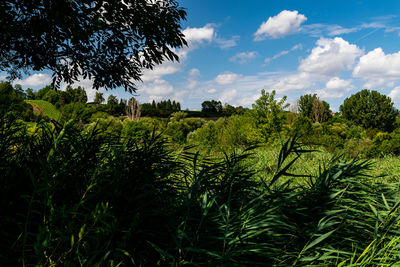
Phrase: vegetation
(116, 183)
(370, 109)
(67, 34)
(313, 108)
(98, 186)
(45, 108)
(110, 201)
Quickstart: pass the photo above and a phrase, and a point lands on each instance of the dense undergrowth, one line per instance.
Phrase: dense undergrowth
(72, 197)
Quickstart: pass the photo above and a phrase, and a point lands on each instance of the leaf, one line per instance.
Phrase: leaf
(319, 239)
(81, 232)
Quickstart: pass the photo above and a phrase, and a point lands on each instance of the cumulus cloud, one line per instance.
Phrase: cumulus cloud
(286, 22)
(282, 53)
(330, 56)
(159, 71)
(157, 88)
(38, 79)
(243, 57)
(226, 78)
(227, 96)
(294, 82)
(192, 81)
(335, 88)
(378, 69)
(395, 95)
(199, 35)
(194, 72)
(226, 43)
(180, 95)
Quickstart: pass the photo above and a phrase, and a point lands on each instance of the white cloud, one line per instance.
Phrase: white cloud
(282, 53)
(318, 30)
(212, 91)
(192, 81)
(378, 69)
(38, 79)
(226, 78)
(180, 95)
(292, 83)
(335, 88)
(227, 96)
(199, 35)
(194, 73)
(159, 71)
(330, 56)
(286, 22)
(395, 95)
(226, 43)
(157, 88)
(243, 57)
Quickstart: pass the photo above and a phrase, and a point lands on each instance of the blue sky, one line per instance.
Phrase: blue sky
(237, 48)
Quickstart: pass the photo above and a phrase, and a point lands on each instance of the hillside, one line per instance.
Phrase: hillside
(45, 108)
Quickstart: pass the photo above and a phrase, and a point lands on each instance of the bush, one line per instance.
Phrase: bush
(235, 131)
(179, 127)
(136, 131)
(77, 111)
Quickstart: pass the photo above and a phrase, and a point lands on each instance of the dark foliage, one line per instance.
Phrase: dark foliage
(211, 106)
(370, 109)
(71, 197)
(108, 41)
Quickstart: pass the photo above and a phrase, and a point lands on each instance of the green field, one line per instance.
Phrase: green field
(45, 108)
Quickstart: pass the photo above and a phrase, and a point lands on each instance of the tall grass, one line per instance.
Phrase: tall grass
(72, 197)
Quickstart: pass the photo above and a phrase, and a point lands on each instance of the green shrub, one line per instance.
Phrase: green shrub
(179, 127)
(135, 130)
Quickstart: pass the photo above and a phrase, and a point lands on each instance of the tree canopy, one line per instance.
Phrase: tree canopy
(110, 42)
(370, 109)
(269, 110)
(313, 108)
(211, 106)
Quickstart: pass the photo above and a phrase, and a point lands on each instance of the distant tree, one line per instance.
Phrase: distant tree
(112, 105)
(12, 102)
(148, 110)
(228, 109)
(327, 111)
(211, 106)
(370, 109)
(122, 107)
(305, 105)
(269, 111)
(169, 105)
(80, 95)
(312, 107)
(62, 36)
(99, 98)
(30, 95)
(52, 96)
(41, 92)
(153, 104)
(18, 90)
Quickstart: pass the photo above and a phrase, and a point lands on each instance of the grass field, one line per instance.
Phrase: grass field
(45, 108)
(263, 162)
